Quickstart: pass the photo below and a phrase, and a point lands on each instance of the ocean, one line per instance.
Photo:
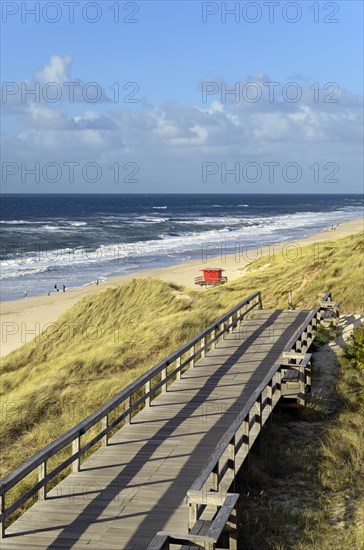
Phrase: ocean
(73, 240)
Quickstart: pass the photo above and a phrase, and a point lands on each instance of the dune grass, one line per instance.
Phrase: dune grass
(336, 265)
(107, 340)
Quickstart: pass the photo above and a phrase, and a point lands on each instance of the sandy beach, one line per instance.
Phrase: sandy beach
(24, 319)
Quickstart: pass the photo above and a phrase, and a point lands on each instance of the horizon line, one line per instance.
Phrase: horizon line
(172, 194)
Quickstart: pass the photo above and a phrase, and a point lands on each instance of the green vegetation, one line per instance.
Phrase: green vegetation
(109, 339)
(355, 351)
(323, 336)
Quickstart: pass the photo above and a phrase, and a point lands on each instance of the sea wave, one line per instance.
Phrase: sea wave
(24, 272)
(143, 220)
(20, 222)
(232, 231)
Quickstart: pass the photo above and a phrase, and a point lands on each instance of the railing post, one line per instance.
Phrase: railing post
(232, 530)
(302, 384)
(76, 444)
(2, 510)
(246, 432)
(230, 323)
(178, 364)
(215, 477)
(104, 425)
(163, 377)
(231, 452)
(304, 340)
(42, 472)
(314, 322)
(298, 345)
(127, 408)
(192, 353)
(259, 413)
(279, 383)
(213, 336)
(203, 343)
(270, 400)
(245, 314)
(192, 515)
(308, 377)
(147, 390)
(260, 301)
(302, 376)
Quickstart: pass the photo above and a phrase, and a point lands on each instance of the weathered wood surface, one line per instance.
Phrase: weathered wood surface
(128, 491)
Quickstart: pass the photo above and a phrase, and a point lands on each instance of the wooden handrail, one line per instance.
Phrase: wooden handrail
(226, 323)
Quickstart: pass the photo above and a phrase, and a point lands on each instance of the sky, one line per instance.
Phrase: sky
(172, 97)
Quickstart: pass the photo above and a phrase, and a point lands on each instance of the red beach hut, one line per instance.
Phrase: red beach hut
(211, 276)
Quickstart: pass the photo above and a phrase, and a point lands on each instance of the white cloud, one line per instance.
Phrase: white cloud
(52, 85)
(58, 70)
(186, 134)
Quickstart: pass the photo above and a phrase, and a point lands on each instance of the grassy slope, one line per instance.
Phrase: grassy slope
(107, 340)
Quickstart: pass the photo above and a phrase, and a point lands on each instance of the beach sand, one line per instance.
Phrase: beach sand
(22, 320)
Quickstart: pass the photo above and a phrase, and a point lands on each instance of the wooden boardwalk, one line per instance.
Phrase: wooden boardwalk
(129, 490)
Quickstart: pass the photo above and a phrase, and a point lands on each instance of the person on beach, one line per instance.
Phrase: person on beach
(56, 288)
(97, 281)
(63, 288)
(25, 293)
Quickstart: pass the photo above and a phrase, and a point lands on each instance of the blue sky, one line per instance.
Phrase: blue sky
(170, 133)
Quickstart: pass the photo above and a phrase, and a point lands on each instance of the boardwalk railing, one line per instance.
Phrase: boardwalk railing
(219, 472)
(131, 399)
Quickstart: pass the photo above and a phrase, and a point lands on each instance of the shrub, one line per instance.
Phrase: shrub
(355, 351)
